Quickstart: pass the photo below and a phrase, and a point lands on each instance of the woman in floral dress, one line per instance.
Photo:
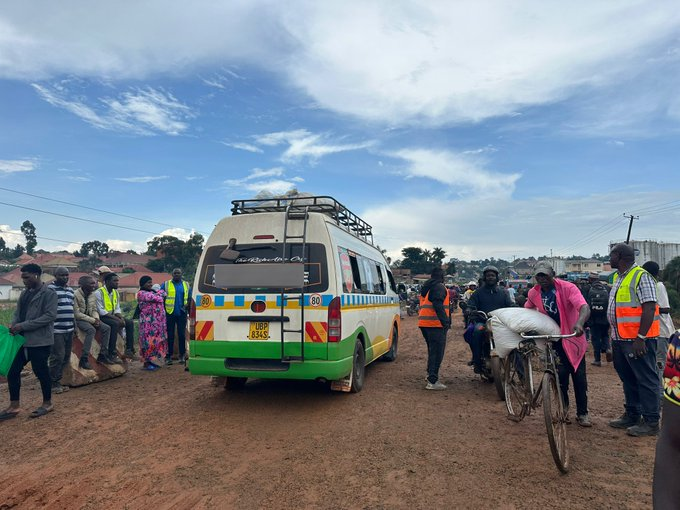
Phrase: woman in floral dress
(153, 336)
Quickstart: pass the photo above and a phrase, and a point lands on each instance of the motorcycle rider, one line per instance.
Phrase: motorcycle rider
(486, 298)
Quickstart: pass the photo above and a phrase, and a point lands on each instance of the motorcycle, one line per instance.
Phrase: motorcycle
(492, 366)
(413, 306)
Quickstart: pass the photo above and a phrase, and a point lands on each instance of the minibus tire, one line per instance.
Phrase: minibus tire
(235, 383)
(358, 367)
(391, 355)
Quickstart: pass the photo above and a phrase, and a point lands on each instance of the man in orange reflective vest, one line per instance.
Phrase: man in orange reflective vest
(633, 315)
(434, 321)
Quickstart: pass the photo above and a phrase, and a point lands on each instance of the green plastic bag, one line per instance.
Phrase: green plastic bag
(9, 346)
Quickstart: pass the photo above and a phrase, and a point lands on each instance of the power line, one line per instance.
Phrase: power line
(598, 232)
(40, 237)
(79, 219)
(89, 208)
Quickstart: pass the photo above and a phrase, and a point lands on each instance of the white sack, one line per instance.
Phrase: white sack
(507, 324)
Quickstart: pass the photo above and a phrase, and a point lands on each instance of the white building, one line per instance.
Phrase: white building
(5, 289)
(658, 251)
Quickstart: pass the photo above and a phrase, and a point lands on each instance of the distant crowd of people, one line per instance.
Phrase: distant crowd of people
(47, 316)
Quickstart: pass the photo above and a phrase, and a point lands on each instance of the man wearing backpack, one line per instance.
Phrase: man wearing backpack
(598, 301)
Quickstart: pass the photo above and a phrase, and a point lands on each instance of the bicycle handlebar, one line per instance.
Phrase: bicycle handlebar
(546, 337)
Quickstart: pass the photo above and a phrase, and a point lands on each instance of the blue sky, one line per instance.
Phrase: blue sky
(491, 129)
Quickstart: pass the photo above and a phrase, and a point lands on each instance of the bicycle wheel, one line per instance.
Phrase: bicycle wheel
(514, 385)
(555, 421)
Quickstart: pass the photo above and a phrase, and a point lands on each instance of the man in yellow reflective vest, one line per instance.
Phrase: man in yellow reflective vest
(434, 321)
(177, 299)
(633, 315)
(108, 307)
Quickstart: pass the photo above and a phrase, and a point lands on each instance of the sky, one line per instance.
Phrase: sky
(488, 128)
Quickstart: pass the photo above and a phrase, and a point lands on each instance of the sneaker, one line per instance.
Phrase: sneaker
(596, 363)
(643, 429)
(115, 360)
(84, 364)
(609, 356)
(435, 386)
(478, 369)
(182, 360)
(168, 361)
(104, 360)
(584, 420)
(625, 421)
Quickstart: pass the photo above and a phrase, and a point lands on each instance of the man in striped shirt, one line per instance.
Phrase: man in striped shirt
(63, 329)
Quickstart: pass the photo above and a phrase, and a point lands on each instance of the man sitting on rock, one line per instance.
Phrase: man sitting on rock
(87, 320)
(110, 313)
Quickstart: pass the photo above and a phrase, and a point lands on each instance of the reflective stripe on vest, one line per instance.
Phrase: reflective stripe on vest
(108, 305)
(629, 308)
(427, 316)
(170, 298)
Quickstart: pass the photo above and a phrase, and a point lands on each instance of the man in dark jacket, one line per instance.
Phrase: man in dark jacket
(434, 321)
(486, 298)
(34, 320)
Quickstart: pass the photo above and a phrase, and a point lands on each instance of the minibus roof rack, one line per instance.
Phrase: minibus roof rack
(323, 204)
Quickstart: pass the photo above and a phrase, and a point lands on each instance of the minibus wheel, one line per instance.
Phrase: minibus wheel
(391, 355)
(235, 383)
(358, 367)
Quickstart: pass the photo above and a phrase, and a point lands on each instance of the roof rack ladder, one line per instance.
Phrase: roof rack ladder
(294, 213)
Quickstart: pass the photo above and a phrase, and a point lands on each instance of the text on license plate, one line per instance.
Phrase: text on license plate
(259, 331)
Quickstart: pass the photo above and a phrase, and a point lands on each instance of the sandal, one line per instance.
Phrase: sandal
(41, 411)
(7, 415)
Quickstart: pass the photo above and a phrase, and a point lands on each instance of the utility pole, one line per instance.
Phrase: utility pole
(630, 225)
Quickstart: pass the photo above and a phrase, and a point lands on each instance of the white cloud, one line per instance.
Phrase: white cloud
(463, 172)
(12, 236)
(244, 147)
(194, 177)
(402, 62)
(78, 178)
(11, 166)
(259, 180)
(303, 144)
(142, 179)
(179, 233)
(141, 111)
(469, 230)
(123, 245)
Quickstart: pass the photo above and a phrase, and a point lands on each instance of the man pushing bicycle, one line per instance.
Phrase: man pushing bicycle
(563, 302)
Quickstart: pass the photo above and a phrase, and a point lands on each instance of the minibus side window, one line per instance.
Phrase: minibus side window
(366, 275)
(393, 285)
(356, 274)
(381, 281)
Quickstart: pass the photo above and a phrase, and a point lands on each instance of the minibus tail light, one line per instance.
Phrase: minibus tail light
(334, 320)
(192, 320)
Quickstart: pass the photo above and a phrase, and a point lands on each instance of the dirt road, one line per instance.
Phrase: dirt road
(171, 440)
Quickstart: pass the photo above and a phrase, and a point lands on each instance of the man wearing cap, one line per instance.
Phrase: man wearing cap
(434, 320)
(633, 315)
(563, 302)
(100, 273)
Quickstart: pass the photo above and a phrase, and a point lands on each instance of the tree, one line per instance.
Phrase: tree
(17, 251)
(173, 252)
(97, 248)
(3, 248)
(437, 256)
(671, 274)
(451, 267)
(28, 230)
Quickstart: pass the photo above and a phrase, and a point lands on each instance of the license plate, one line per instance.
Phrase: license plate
(259, 331)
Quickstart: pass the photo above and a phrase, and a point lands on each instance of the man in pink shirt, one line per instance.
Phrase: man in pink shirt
(563, 302)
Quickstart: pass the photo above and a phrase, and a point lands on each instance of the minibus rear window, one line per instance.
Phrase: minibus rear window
(250, 255)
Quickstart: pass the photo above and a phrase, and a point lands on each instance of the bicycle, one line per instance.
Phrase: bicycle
(521, 397)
